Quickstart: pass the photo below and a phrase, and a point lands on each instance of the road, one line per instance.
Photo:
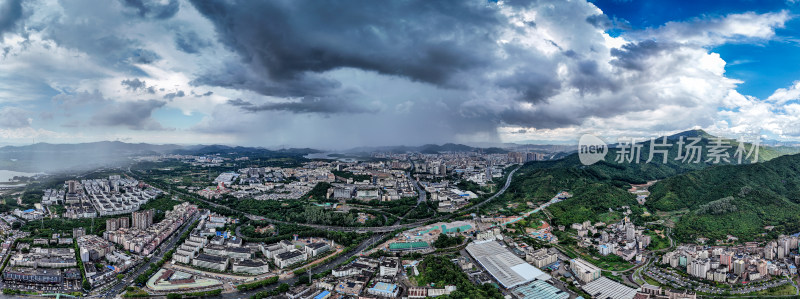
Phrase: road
(166, 246)
(423, 196)
(320, 268)
(317, 269)
(377, 229)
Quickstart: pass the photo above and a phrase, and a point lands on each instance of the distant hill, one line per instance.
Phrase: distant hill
(691, 133)
(102, 146)
(428, 149)
(46, 157)
(50, 158)
(238, 150)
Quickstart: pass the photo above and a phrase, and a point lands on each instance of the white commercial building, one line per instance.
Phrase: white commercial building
(584, 271)
(508, 269)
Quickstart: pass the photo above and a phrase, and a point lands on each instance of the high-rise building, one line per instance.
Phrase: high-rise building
(699, 268)
(124, 222)
(762, 267)
(78, 232)
(534, 157)
(786, 244)
(630, 233)
(142, 219)
(72, 189)
(738, 267)
(584, 271)
(769, 252)
(726, 259)
(516, 157)
(112, 224)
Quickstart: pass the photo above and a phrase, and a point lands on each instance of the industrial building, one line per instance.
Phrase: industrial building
(508, 269)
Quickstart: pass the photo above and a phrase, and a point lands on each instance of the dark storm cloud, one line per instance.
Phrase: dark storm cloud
(10, 13)
(588, 78)
(600, 21)
(304, 105)
(239, 77)
(138, 85)
(190, 42)
(288, 38)
(532, 85)
(143, 56)
(172, 95)
(603, 22)
(541, 119)
(633, 55)
(153, 9)
(201, 94)
(134, 84)
(287, 46)
(135, 115)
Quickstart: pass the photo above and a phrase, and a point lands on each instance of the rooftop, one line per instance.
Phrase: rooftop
(210, 258)
(539, 289)
(384, 287)
(508, 269)
(607, 288)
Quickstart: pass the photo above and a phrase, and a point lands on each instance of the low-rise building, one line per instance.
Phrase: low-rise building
(389, 267)
(289, 258)
(33, 275)
(315, 249)
(214, 262)
(584, 271)
(250, 267)
(383, 289)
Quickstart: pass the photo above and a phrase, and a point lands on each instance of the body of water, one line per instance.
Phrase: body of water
(6, 175)
(319, 156)
(328, 156)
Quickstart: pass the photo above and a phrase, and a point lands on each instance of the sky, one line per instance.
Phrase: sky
(343, 74)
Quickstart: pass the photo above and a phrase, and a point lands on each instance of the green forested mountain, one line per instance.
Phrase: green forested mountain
(602, 186)
(755, 196)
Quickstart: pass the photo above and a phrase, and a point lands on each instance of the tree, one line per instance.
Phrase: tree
(303, 280)
(445, 241)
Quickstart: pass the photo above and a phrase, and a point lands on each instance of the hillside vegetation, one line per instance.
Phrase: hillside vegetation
(738, 200)
(600, 189)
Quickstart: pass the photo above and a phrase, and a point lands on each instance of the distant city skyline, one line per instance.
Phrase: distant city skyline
(365, 73)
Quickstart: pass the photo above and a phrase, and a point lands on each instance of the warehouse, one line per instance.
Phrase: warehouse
(508, 269)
